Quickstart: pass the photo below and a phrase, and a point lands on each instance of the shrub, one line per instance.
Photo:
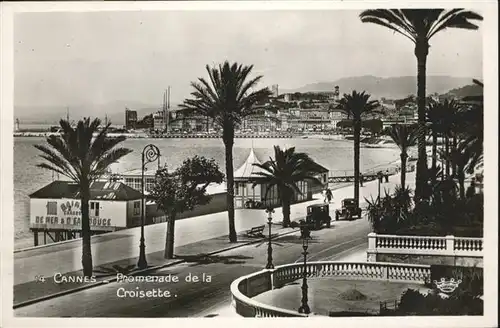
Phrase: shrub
(414, 303)
(444, 214)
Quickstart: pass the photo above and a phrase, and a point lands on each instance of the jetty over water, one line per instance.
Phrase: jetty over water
(345, 176)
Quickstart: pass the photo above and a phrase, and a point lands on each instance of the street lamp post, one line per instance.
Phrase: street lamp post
(379, 176)
(150, 153)
(269, 265)
(306, 234)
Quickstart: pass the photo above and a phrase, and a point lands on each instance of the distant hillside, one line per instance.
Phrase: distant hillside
(391, 88)
(468, 90)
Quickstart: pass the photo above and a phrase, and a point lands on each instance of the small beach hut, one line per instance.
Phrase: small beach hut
(245, 192)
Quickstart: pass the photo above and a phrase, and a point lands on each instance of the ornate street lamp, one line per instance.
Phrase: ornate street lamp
(150, 153)
(269, 265)
(306, 235)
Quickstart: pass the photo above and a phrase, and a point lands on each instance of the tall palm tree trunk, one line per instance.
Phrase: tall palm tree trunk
(447, 151)
(461, 183)
(229, 142)
(169, 241)
(454, 147)
(86, 244)
(434, 150)
(403, 156)
(285, 201)
(421, 51)
(357, 134)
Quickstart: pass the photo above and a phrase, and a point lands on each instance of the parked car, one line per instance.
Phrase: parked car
(318, 215)
(348, 210)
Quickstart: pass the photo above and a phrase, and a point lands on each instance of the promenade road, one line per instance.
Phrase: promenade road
(124, 244)
(190, 299)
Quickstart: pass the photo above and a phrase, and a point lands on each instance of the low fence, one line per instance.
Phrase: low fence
(243, 288)
(425, 245)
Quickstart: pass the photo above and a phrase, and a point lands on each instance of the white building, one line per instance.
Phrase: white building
(159, 121)
(112, 206)
(244, 191)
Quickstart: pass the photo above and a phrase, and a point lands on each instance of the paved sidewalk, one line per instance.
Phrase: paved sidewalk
(203, 234)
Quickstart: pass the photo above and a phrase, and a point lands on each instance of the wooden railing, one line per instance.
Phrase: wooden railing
(425, 245)
(243, 288)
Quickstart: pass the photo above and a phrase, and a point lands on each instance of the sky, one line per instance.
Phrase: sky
(65, 58)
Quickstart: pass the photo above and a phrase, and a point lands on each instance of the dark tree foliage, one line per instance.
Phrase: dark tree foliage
(284, 171)
(183, 189)
(356, 106)
(83, 154)
(227, 97)
(419, 26)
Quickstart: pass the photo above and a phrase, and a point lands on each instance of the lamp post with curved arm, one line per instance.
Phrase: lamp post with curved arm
(150, 153)
(306, 235)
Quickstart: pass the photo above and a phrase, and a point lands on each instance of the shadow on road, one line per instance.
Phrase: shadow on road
(211, 316)
(294, 239)
(201, 259)
(114, 269)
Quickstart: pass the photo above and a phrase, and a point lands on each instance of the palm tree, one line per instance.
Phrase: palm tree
(404, 136)
(460, 158)
(451, 115)
(227, 99)
(77, 155)
(356, 105)
(420, 25)
(474, 131)
(285, 171)
(435, 118)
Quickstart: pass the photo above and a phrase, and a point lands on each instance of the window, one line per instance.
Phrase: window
(236, 188)
(150, 182)
(129, 182)
(94, 208)
(51, 208)
(137, 208)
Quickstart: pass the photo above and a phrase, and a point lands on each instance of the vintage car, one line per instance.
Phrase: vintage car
(348, 210)
(318, 215)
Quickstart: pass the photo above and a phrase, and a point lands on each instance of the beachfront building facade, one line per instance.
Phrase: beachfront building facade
(133, 179)
(130, 119)
(159, 121)
(55, 210)
(245, 192)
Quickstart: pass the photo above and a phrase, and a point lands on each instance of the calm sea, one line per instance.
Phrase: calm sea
(333, 154)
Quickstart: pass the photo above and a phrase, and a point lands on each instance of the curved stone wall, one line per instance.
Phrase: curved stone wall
(246, 287)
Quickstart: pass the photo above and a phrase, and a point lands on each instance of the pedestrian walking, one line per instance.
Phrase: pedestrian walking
(386, 176)
(361, 179)
(328, 195)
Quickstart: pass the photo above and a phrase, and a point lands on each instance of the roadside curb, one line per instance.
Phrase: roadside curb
(100, 283)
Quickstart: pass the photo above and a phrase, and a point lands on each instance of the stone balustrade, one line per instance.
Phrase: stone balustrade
(451, 249)
(244, 288)
(425, 245)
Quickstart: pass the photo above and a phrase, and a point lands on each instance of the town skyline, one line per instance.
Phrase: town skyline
(136, 63)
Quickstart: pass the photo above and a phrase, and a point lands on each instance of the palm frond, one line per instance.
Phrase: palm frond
(391, 19)
(58, 162)
(455, 18)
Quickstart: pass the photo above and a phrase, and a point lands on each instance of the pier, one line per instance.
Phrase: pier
(369, 175)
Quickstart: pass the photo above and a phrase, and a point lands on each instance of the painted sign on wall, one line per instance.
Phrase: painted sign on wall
(66, 214)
